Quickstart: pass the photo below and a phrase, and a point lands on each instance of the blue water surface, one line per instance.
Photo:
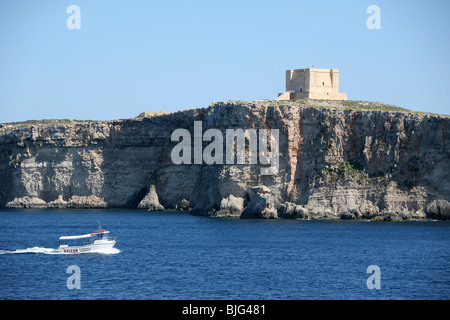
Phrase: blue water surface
(173, 255)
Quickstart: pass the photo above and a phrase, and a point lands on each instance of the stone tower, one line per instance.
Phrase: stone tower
(312, 83)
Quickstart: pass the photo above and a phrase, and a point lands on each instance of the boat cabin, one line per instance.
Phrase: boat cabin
(84, 239)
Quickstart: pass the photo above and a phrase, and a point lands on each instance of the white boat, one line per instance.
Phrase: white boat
(96, 241)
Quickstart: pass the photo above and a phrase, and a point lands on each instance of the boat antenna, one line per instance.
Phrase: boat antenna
(99, 225)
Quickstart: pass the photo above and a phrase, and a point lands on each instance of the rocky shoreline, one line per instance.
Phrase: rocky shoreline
(336, 161)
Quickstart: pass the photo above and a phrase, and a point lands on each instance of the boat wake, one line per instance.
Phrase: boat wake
(55, 251)
(31, 250)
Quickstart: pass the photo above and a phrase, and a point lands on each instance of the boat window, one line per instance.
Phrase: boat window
(77, 242)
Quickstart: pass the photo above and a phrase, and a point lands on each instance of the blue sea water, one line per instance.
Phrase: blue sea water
(173, 255)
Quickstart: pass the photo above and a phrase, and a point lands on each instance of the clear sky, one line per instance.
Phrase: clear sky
(133, 56)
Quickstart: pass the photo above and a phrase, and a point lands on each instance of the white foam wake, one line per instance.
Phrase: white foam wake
(55, 251)
(108, 251)
(31, 250)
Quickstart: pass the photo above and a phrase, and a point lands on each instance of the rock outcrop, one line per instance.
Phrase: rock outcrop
(151, 201)
(261, 205)
(231, 206)
(343, 160)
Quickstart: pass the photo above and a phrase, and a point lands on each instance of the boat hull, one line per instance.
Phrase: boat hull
(97, 247)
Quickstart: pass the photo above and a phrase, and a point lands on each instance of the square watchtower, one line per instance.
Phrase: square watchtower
(312, 83)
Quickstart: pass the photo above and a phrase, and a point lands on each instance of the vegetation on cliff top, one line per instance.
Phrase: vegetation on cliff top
(6, 127)
(303, 103)
(339, 104)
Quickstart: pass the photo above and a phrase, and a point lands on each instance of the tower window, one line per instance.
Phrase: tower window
(323, 83)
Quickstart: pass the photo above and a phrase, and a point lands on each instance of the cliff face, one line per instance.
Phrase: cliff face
(333, 162)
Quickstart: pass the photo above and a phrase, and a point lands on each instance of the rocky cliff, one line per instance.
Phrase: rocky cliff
(336, 160)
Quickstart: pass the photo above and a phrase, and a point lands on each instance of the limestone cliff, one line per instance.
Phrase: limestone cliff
(336, 159)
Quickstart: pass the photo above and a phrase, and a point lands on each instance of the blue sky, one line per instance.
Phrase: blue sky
(132, 56)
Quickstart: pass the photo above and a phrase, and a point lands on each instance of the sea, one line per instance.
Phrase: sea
(177, 256)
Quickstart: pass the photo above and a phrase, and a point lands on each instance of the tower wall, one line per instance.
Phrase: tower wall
(313, 83)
